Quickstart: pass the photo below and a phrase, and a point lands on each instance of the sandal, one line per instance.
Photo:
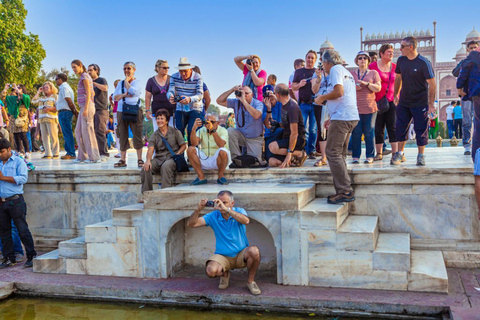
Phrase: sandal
(320, 163)
(120, 163)
(299, 161)
(378, 157)
(140, 163)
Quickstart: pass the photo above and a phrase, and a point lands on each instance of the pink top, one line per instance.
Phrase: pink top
(365, 97)
(81, 91)
(262, 74)
(384, 76)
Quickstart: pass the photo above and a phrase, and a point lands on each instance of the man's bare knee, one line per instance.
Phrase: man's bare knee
(253, 252)
(273, 147)
(222, 154)
(213, 269)
(191, 150)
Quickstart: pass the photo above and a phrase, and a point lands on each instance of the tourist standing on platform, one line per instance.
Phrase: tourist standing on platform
(13, 175)
(156, 93)
(46, 99)
(114, 105)
(373, 56)
(248, 118)
(367, 84)
(457, 120)
(230, 122)
(271, 80)
(20, 131)
(66, 111)
(386, 119)
(4, 121)
(186, 91)
(468, 86)
(253, 77)
(467, 107)
(232, 248)
(16, 98)
(450, 126)
(85, 131)
(297, 64)
(159, 157)
(342, 107)
(416, 79)
(110, 133)
(206, 93)
(288, 150)
(128, 92)
(209, 149)
(100, 119)
(34, 130)
(319, 115)
(302, 81)
(272, 118)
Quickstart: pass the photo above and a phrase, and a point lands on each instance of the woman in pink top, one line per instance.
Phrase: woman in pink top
(84, 132)
(367, 83)
(253, 76)
(386, 69)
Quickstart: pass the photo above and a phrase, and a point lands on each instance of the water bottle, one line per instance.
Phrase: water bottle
(160, 185)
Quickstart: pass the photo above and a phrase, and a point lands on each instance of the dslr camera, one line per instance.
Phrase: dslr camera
(274, 125)
(249, 62)
(268, 93)
(238, 93)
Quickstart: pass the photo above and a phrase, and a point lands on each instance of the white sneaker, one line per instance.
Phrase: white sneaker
(78, 161)
(93, 161)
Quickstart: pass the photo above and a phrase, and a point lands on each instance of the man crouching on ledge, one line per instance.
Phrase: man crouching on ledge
(232, 249)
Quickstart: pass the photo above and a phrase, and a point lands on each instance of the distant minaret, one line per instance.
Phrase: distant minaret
(361, 38)
(434, 43)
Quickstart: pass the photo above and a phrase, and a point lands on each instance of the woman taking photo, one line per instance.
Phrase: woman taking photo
(47, 115)
(156, 93)
(386, 69)
(253, 76)
(85, 132)
(367, 83)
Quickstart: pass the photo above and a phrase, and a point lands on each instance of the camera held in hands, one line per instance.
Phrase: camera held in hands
(178, 98)
(320, 66)
(274, 125)
(210, 204)
(249, 62)
(268, 94)
(238, 93)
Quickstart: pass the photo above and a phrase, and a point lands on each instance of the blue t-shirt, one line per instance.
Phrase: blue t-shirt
(276, 115)
(457, 113)
(230, 235)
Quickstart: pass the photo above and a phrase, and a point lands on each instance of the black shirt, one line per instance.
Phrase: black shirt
(101, 97)
(415, 73)
(305, 93)
(291, 113)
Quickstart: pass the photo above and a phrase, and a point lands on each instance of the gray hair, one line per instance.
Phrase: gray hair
(331, 56)
(213, 114)
(228, 193)
(131, 64)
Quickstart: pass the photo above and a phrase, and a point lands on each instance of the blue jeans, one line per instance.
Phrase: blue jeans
(186, 120)
(366, 125)
(110, 139)
(29, 137)
(65, 119)
(17, 244)
(450, 128)
(467, 121)
(311, 132)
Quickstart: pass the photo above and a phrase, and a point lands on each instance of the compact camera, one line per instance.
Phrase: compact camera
(249, 62)
(320, 66)
(210, 203)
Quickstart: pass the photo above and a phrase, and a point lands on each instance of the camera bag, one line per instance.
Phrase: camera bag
(129, 111)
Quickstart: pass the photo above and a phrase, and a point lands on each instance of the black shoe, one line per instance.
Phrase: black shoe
(7, 263)
(29, 262)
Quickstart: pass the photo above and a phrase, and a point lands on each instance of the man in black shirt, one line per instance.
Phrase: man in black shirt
(416, 80)
(100, 87)
(289, 149)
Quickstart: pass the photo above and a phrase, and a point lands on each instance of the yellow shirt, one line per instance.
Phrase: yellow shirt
(208, 144)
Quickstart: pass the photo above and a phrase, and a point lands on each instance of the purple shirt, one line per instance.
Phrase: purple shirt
(82, 92)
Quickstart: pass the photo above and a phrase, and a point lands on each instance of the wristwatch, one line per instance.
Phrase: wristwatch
(289, 151)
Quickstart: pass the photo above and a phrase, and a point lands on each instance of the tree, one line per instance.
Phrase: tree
(21, 54)
(44, 76)
(214, 108)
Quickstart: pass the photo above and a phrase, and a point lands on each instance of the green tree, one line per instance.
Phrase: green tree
(44, 76)
(214, 108)
(21, 54)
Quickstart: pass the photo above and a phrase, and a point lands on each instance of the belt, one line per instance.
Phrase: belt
(9, 198)
(62, 110)
(307, 102)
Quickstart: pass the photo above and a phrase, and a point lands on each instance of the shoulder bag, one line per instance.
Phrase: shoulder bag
(383, 105)
(179, 159)
(129, 111)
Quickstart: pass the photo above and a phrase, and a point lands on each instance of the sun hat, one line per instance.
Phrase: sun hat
(363, 53)
(184, 64)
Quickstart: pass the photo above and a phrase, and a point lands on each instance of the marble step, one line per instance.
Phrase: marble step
(253, 196)
(427, 272)
(49, 263)
(319, 214)
(101, 232)
(392, 252)
(128, 216)
(358, 233)
(73, 249)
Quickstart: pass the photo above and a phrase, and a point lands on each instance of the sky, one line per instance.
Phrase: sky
(211, 33)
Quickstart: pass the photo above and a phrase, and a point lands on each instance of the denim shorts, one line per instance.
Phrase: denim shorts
(476, 166)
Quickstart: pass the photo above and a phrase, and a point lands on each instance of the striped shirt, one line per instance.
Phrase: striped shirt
(82, 91)
(192, 88)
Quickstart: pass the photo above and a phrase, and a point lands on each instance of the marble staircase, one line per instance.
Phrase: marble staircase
(317, 244)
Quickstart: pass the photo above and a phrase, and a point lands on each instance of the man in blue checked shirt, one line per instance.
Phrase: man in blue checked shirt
(13, 175)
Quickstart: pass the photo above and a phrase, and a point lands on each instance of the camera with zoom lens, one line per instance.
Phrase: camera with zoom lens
(274, 125)
(238, 93)
(178, 98)
(268, 94)
(249, 62)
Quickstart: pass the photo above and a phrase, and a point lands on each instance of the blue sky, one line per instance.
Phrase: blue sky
(212, 33)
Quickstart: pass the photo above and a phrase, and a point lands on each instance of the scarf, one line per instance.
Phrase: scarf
(247, 81)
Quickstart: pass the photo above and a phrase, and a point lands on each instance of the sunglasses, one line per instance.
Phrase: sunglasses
(405, 45)
(362, 58)
(165, 68)
(129, 68)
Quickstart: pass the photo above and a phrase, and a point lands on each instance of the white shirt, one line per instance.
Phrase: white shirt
(134, 90)
(449, 111)
(345, 107)
(64, 91)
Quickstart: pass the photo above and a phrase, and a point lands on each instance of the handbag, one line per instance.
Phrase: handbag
(129, 111)
(383, 105)
(179, 159)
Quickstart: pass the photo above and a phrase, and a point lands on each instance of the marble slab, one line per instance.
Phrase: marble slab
(76, 266)
(128, 216)
(254, 196)
(6, 289)
(49, 263)
(427, 272)
(392, 252)
(73, 248)
(112, 259)
(358, 233)
(101, 232)
(319, 214)
(324, 240)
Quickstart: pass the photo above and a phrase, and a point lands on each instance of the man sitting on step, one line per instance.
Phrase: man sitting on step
(232, 248)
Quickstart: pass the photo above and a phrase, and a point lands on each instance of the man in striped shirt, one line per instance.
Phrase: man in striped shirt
(416, 80)
(186, 90)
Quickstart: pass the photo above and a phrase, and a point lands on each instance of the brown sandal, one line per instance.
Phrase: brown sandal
(120, 163)
(140, 163)
(378, 157)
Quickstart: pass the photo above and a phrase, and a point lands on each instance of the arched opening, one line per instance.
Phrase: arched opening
(187, 250)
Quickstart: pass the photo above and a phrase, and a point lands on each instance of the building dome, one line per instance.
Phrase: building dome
(367, 37)
(473, 35)
(461, 51)
(415, 33)
(379, 36)
(397, 35)
(391, 35)
(326, 45)
(373, 36)
(422, 33)
(409, 34)
(428, 33)
(385, 36)
(404, 34)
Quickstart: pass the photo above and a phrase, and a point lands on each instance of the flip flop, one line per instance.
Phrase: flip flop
(119, 164)
(140, 163)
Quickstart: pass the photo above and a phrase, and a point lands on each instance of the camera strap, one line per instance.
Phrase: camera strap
(241, 110)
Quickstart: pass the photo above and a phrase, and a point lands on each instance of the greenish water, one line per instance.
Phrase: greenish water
(50, 309)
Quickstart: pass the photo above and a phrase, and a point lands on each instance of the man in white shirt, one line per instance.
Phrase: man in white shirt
(449, 111)
(341, 100)
(66, 111)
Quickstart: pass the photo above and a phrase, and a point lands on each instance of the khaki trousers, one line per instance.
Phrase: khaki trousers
(49, 132)
(167, 170)
(337, 143)
(85, 134)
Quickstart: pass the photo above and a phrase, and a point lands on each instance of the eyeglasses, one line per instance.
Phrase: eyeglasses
(362, 58)
(405, 45)
(129, 68)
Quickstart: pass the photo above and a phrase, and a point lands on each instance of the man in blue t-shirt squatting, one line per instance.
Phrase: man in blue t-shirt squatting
(232, 249)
